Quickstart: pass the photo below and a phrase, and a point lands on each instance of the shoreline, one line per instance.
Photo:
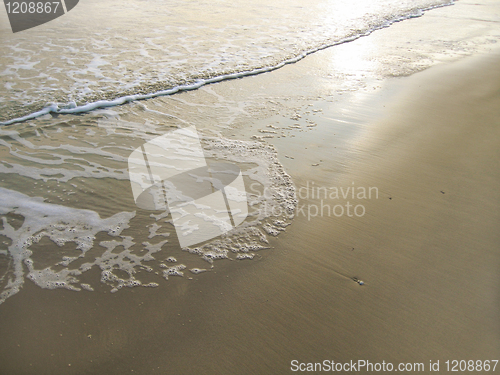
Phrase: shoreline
(429, 260)
(73, 108)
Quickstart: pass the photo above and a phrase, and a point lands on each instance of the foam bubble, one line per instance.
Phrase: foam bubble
(198, 270)
(245, 256)
(58, 223)
(174, 271)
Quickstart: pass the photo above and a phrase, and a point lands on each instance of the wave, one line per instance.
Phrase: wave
(72, 108)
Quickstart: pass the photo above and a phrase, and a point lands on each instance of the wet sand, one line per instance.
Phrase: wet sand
(426, 249)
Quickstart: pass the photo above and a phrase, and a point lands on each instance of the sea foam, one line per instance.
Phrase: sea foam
(129, 248)
(112, 65)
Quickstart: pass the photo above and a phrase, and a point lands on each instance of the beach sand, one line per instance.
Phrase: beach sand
(426, 247)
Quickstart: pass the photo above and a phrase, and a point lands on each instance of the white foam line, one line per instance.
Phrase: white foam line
(196, 85)
(49, 109)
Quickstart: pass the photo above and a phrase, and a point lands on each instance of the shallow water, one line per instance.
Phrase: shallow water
(75, 167)
(105, 50)
(76, 187)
